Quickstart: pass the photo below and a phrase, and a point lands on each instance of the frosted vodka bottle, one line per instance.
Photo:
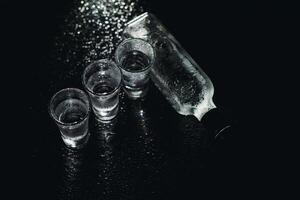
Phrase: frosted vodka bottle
(176, 74)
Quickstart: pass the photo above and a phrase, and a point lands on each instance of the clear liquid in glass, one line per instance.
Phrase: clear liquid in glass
(105, 100)
(135, 61)
(74, 123)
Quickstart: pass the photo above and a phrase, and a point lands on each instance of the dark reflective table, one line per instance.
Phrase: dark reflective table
(148, 151)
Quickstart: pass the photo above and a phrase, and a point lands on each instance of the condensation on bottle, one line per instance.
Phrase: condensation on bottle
(180, 79)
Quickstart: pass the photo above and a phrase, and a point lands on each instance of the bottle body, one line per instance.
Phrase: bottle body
(180, 79)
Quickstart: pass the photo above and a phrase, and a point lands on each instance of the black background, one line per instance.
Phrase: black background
(221, 37)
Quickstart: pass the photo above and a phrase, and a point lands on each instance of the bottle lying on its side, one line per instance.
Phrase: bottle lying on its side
(175, 73)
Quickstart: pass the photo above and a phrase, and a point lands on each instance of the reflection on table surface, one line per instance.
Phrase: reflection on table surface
(130, 156)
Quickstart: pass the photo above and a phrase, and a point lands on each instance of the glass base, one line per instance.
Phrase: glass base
(134, 93)
(106, 115)
(76, 143)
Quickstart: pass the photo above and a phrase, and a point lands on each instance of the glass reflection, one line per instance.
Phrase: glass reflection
(129, 161)
(71, 173)
(106, 164)
(151, 157)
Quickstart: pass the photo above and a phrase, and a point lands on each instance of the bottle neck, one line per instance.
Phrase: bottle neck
(218, 121)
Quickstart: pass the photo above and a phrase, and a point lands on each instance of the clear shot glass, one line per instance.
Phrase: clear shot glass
(70, 110)
(135, 57)
(102, 80)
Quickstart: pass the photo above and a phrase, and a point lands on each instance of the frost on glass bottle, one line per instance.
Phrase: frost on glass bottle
(175, 73)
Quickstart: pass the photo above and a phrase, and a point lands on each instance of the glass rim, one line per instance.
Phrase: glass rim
(51, 111)
(111, 62)
(140, 70)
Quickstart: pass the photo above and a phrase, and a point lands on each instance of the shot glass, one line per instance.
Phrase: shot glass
(70, 110)
(135, 57)
(102, 81)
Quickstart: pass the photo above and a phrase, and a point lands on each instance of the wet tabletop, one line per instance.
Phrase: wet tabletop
(148, 151)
